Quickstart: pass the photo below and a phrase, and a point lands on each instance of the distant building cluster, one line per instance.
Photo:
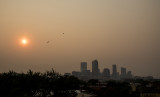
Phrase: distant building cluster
(86, 74)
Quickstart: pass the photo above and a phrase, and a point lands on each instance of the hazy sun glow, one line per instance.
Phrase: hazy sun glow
(24, 41)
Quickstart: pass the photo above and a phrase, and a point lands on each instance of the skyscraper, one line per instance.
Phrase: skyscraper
(106, 72)
(114, 67)
(83, 66)
(95, 70)
(123, 73)
(114, 71)
(129, 74)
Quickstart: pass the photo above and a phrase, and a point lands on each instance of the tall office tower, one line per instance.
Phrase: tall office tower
(95, 70)
(114, 72)
(83, 66)
(123, 73)
(106, 72)
(129, 74)
(114, 67)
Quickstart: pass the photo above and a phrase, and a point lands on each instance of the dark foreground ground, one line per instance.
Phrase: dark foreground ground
(52, 84)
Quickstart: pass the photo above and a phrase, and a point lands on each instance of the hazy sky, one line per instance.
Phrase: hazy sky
(122, 32)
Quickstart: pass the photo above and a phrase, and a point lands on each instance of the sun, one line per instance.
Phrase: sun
(24, 41)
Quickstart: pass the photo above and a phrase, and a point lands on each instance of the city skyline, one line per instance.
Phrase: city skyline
(106, 74)
(113, 68)
(59, 34)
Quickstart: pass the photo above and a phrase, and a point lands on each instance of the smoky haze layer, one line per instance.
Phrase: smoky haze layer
(63, 33)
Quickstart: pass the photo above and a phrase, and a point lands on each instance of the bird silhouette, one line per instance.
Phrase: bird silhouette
(48, 42)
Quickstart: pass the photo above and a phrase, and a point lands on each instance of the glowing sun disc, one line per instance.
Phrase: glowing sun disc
(24, 41)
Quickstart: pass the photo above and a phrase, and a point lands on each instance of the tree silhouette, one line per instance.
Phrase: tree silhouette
(36, 84)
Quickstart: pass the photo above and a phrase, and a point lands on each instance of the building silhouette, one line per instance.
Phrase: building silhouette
(129, 74)
(95, 69)
(114, 71)
(115, 74)
(86, 75)
(76, 73)
(106, 73)
(83, 66)
(123, 73)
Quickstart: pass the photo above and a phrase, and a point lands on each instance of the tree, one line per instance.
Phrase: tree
(36, 84)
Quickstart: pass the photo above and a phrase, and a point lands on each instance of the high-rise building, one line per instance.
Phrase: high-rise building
(95, 70)
(114, 72)
(106, 73)
(129, 74)
(123, 73)
(83, 66)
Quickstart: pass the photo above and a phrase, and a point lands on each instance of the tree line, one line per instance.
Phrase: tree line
(53, 84)
(36, 84)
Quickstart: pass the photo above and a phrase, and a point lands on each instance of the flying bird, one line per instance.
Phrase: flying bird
(48, 42)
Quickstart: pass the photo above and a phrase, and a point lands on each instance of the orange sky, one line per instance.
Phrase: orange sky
(122, 32)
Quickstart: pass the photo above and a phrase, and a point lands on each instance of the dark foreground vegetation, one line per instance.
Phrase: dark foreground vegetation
(48, 84)
(53, 84)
